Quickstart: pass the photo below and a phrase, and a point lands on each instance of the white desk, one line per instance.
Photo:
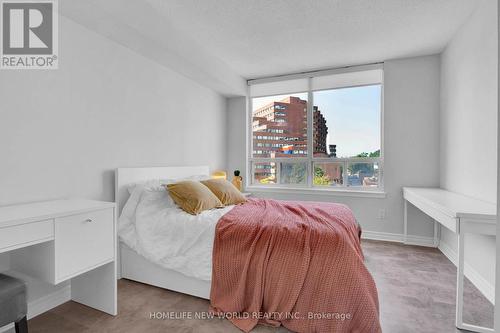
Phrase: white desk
(57, 241)
(460, 214)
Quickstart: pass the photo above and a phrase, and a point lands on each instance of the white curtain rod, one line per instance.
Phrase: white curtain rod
(322, 72)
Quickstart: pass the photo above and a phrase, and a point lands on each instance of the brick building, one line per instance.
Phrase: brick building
(320, 132)
(280, 130)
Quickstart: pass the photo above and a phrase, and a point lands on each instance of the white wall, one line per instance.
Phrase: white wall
(411, 118)
(469, 125)
(236, 136)
(146, 30)
(63, 132)
(497, 270)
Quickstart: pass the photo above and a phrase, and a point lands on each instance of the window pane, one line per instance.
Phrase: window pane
(363, 174)
(293, 173)
(347, 122)
(279, 126)
(328, 174)
(264, 173)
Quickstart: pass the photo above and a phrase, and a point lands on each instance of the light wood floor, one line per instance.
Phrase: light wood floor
(416, 288)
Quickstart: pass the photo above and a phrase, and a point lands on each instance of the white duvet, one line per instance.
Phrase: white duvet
(153, 226)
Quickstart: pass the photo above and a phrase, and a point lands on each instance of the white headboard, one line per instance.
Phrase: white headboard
(127, 176)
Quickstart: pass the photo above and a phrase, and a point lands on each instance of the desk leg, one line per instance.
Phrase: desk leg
(405, 222)
(97, 288)
(460, 281)
(436, 233)
(459, 322)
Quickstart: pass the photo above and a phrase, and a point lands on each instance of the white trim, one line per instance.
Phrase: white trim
(342, 192)
(304, 159)
(381, 166)
(330, 71)
(50, 301)
(398, 238)
(310, 137)
(420, 241)
(486, 288)
(382, 236)
(248, 139)
(7, 328)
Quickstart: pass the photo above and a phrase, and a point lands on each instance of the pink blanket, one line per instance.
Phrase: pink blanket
(298, 264)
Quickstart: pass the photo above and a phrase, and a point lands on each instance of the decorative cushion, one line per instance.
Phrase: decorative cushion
(193, 197)
(227, 193)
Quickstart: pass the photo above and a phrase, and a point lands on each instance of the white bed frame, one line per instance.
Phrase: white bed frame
(136, 267)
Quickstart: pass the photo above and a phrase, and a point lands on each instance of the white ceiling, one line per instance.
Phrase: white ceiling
(227, 39)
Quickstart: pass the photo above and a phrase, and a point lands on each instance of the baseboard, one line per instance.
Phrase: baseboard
(477, 280)
(7, 329)
(382, 236)
(399, 238)
(44, 304)
(421, 241)
(49, 301)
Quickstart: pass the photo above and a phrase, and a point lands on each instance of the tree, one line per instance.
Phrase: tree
(376, 153)
(365, 168)
(318, 172)
(320, 178)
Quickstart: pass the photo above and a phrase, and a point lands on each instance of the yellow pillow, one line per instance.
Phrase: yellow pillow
(193, 197)
(227, 193)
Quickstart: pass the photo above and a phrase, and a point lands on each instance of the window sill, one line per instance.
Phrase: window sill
(341, 192)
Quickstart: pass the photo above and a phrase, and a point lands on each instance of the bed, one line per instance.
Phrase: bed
(136, 267)
(291, 263)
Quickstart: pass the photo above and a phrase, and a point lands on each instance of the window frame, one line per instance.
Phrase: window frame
(310, 160)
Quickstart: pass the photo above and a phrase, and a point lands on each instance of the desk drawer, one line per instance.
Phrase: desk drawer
(82, 242)
(25, 234)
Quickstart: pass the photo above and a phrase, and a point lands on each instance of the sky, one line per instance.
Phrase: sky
(352, 116)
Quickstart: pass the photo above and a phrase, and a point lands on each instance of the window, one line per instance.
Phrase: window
(269, 124)
(264, 173)
(318, 132)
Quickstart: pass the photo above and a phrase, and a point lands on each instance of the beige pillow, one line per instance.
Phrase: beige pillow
(227, 193)
(193, 197)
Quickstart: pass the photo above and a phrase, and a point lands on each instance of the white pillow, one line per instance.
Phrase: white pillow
(158, 184)
(153, 183)
(159, 194)
(127, 217)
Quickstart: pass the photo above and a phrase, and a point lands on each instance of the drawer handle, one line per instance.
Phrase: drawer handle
(89, 220)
